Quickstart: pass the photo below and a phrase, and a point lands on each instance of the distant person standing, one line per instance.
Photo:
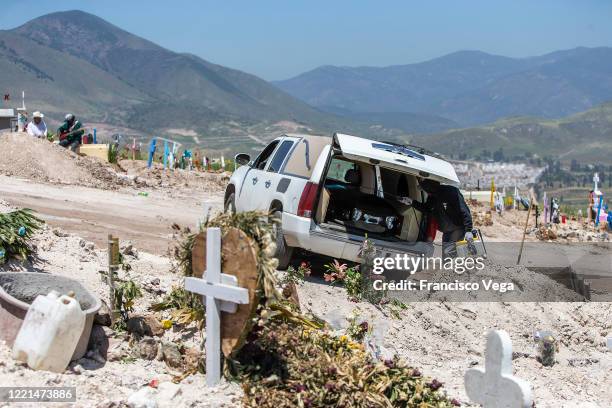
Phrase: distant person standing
(70, 132)
(37, 128)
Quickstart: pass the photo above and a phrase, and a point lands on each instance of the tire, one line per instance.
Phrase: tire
(230, 204)
(283, 251)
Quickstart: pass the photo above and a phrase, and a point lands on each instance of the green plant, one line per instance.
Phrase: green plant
(186, 306)
(349, 276)
(395, 306)
(113, 152)
(125, 293)
(16, 230)
(335, 272)
(353, 282)
(356, 329)
(297, 275)
(127, 360)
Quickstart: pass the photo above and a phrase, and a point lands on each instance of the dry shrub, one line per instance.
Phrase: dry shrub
(286, 363)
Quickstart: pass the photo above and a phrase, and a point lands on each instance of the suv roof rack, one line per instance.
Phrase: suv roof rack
(418, 149)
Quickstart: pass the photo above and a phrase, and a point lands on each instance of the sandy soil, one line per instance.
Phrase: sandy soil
(445, 339)
(111, 383)
(442, 338)
(93, 213)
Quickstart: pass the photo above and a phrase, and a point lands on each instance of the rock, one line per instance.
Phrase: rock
(59, 233)
(145, 326)
(108, 404)
(129, 250)
(154, 326)
(143, 398)
(192, 357)
(147, 348)
(82, 243)
(172, 355)
(117, 350)
(103, 317)
(136, 326)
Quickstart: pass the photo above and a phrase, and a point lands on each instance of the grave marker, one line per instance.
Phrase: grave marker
(216, 287)
(495, 386)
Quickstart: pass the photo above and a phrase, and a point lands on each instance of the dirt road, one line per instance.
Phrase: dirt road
(93, 214)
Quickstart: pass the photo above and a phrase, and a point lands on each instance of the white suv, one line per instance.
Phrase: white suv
(332, 192)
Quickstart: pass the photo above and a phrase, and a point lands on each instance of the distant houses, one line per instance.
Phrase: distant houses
(8, 119)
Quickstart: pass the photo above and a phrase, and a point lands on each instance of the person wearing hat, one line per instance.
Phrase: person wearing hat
(38, 127)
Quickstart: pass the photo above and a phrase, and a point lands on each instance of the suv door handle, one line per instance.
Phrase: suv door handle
(255, 180)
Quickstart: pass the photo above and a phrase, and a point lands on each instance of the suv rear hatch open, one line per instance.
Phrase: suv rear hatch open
(397, 157)
(360, 190)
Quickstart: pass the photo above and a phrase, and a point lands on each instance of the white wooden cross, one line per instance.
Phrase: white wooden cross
(596, 181)
(495, 386)
(220, 293)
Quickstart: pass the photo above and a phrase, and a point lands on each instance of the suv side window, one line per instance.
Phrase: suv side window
(338, 168)
(279, 156)
(262, 159)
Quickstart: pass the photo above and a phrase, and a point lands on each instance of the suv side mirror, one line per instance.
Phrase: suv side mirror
(242, 159)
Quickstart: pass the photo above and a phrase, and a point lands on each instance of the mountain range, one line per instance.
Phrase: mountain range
(467, 87)
(585, 137)
(75, 61)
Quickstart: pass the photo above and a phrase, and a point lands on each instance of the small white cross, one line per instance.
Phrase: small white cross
(220, 293)
(495, 386)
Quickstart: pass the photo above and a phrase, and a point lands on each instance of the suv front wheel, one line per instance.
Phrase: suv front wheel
(283, 251)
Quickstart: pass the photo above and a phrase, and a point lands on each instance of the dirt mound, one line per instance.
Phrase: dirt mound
(157, 176)
(36, 159)
(447, 338)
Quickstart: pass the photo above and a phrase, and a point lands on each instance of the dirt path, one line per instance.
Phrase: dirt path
(93, 214)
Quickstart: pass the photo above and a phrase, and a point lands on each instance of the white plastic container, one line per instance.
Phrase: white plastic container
(49, 333)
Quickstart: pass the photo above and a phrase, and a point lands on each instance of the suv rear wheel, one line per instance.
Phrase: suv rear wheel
(230, 204)
(283, 251)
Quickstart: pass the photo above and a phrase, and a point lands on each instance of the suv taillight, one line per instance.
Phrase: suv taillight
(432, 228)
(307, 200)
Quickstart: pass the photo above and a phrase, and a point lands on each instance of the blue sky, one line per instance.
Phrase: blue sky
(279, 39)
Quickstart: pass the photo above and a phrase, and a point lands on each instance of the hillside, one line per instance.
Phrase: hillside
(407, 122)
(585, 137)
(74, 61)
(469, 87)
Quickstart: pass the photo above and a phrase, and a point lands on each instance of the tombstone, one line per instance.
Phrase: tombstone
(239, 260)
(495, 386)
(223, 292)
(215, 288)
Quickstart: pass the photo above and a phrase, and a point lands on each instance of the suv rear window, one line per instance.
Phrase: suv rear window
(338, 168)
(279, 156)
(305, 155)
